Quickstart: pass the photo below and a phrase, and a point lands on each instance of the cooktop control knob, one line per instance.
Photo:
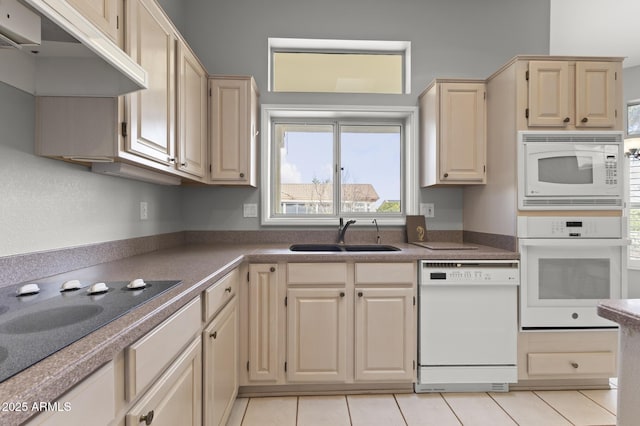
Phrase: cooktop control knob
(70, 285)
(98, 288)
(28, 289)
(136, 284)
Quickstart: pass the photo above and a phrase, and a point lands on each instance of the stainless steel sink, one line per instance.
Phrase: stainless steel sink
(342, 247)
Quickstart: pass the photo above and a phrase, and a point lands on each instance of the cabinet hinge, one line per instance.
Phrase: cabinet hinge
(247, 365)
(210, 168)
(123, 129)
(209, 92)
(414, 301)
(414, 364)
(285, 366)
(615, 75)
(117, 22)
(526, 113)
(484, 168)
(285, 301)
(248, 276)
(485, 96)
(526, 75)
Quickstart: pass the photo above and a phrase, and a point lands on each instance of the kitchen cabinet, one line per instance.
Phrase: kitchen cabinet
(220, 350)
(573, 94)
(350, 323)
(176, 397)
(192, 113)
(92, 401)
(385, 318)
(101, 13)
(317, 322)
(566, 355)
(150, 114)
(233, 130)
(264, 312)
(453, 133)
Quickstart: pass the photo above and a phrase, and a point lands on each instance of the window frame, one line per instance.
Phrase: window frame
(631, 263)
(307, 45)
(366, 114)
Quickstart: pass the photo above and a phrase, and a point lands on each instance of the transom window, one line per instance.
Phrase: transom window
(337, 163)
(339, 66)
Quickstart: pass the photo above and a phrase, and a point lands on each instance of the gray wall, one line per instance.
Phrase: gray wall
(450, 38)
(47, 204)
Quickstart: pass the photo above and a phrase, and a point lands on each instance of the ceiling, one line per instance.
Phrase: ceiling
(595, 28)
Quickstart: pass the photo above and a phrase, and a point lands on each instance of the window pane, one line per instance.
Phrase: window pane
(338, 72)
(304, 169)
(633, 119)
(371, 162)
(634, 210)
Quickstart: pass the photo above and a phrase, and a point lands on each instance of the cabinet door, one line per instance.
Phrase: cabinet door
(192, 113)
(316, 335)
(232, 131)
(385, 337)
(102, 13)
(263, 322)
(596, 94)
(176, 398)
(549, 94)
(221, 365)
(462, 132)
(151, 112)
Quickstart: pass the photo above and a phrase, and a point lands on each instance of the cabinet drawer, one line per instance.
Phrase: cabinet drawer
(572, 363)
(317, 273)
(385, 273)
(216, 296)
(176, 398)
(149, 356)
(92, 402)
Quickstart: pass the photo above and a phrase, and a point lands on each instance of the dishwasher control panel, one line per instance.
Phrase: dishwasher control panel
(469, 272)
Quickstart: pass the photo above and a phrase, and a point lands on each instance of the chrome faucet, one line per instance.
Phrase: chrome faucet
(342, 229)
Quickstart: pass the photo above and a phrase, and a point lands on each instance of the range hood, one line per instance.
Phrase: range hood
(74, 58)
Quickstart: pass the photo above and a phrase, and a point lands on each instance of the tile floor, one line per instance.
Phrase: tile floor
(538, 408)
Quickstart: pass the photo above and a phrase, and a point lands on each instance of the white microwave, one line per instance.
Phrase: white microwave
(570, 170)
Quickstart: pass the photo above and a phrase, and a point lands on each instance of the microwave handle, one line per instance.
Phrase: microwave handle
(566, 242)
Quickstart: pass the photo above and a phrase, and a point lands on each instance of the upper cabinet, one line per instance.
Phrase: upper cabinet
(151, 117)
(192, 113)
(453, 133)
(233, 128)
(102, 13)
(573, 94)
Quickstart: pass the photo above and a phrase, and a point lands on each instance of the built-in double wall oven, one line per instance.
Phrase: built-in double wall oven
(568, 264)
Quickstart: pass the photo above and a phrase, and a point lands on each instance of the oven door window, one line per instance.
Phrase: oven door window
(574, 279)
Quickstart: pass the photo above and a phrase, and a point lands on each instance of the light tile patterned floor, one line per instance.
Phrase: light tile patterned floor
(538, 408)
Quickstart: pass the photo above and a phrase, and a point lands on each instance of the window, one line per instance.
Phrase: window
(339, 66)
(324, 163)
(632, 142)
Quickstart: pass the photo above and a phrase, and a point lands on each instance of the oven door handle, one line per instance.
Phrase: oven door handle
(570, 242)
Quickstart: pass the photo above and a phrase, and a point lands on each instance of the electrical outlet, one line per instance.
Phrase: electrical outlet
(250, 210)
(144, 210)
(427, 209)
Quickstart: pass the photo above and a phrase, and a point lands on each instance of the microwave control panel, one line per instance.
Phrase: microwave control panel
(569, 227)
(611, 165)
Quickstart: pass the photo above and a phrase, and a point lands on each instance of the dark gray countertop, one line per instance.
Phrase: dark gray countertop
(198, 266)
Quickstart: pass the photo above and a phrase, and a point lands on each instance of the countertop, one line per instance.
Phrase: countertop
(198, 266)
(625, 312)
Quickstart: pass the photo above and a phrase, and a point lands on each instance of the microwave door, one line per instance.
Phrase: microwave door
(565, 172)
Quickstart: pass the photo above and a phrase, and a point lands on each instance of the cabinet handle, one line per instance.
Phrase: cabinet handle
(147, 418)
(227, 290)
(575, 365)
(171, 159)
(184, 164)
(566, 119)
(584, 120)
(214, 334)
(360, 294)
(241, 175)
(446, 175)
(342, 294)
(272, 269)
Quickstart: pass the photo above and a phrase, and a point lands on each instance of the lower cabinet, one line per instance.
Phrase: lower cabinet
(220, 349)
(317, 335)
(175, 398)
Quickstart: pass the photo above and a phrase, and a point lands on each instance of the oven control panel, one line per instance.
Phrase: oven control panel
(569, 227)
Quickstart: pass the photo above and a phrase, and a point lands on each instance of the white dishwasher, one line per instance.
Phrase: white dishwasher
(467, 325)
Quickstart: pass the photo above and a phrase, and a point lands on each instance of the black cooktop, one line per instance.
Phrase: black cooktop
(35, 326)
